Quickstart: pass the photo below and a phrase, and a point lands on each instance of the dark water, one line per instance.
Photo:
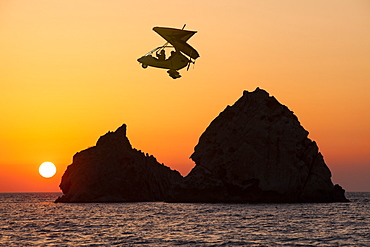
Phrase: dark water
(33, 219)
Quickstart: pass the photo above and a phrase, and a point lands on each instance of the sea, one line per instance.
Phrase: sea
(33, 219)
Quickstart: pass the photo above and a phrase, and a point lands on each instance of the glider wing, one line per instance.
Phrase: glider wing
(178, 38)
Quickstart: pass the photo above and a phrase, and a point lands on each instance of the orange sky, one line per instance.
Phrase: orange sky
(68, 74)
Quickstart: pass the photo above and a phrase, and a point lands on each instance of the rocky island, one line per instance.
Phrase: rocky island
(255, 151)
(113, 171)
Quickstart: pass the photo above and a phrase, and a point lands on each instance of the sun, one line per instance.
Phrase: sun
(47, 169)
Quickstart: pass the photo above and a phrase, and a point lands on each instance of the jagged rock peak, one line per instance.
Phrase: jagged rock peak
(118, 136)
(113, 171)
(257, 151)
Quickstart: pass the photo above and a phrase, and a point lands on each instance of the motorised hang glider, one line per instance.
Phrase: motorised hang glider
(182, 54)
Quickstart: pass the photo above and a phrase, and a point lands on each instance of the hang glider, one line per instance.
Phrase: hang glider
(182, 54)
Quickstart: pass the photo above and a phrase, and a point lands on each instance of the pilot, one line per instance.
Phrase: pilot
(173, 53)
(161, 56)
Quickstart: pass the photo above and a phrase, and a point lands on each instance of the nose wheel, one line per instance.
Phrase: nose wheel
(174, 73)
(144, 66)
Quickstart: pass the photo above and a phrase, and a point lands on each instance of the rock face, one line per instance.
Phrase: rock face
(113, 171)
(254, 151)
(257, 151)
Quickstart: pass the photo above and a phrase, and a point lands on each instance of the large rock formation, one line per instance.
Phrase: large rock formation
(113, 171)
(254, 151)
(257, 151)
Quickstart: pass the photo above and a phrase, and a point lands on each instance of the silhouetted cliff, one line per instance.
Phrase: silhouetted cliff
(257, 151)
(113, 171)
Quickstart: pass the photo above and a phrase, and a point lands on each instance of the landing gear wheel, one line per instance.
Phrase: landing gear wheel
(173, 73)
(144, 66)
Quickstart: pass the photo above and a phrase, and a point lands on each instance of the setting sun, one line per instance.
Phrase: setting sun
(47, 169)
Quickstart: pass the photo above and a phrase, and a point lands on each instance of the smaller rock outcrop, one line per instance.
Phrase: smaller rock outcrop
(257, 151)
(112, 171)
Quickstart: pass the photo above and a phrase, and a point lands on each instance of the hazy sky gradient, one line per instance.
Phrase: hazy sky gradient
(68, 74)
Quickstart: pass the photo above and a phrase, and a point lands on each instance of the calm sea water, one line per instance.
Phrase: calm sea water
(33, 219)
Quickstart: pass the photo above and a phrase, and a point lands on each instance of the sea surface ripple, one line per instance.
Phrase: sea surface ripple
(32, 219)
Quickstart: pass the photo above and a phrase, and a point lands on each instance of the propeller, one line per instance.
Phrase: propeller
(189, 59)
(189, 64)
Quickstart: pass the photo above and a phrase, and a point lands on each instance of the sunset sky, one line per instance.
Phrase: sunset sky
(69, 74)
